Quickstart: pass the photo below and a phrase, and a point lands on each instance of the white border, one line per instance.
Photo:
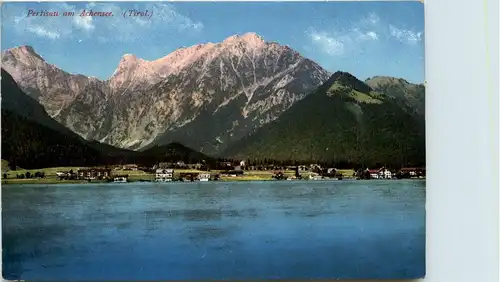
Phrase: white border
(462, 140)
(462, 74)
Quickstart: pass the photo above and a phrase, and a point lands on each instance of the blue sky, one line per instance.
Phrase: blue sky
(363, 38)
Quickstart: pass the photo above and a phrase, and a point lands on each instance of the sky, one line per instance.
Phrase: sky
(364, 38)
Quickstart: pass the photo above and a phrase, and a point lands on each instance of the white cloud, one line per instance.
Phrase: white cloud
(166, 13)
(327, 43)
(373, 35)
(84, 22)
(18, 19)
(42, 32)
(164, 16)
(370, 28)
(117, 28)
(372, 19)
(338, 41)
(358, 35)
(404, 35)
(66, 6)
(14, 17)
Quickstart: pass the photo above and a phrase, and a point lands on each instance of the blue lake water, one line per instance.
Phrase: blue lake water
(214, 230)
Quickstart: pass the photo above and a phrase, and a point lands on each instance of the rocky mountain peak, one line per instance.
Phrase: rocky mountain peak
(24, 53)
(129, 58)
(221, 90)
(249, 38)
(130, 68)
(128, 61)
(24, 49)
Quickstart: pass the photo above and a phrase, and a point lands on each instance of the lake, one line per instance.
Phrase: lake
(215, 230)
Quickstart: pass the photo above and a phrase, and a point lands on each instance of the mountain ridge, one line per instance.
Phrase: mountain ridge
(412, 94)
(32, 139)
(340, 124)
(34, 53)
(15, 101)
(205, 96)
(352, 102)
(145, 101)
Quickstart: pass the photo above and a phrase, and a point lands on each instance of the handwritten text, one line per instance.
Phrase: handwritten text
(83, 13)
(137, 13)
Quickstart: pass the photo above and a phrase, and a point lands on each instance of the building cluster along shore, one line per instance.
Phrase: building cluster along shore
(179, 171)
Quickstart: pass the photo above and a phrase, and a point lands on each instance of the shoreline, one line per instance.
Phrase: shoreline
(50, 176)
(232, 179)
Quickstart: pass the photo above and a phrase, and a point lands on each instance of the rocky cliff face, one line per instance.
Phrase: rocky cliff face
(52, 87)
(204, 96)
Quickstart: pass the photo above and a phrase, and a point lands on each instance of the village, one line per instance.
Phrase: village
(225, 171)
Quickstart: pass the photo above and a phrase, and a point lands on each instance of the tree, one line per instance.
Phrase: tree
(28, 174)
(297, 173)
(5, 175)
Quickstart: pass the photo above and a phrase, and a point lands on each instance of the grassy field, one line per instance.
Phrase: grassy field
(48, 171)
(346, 172)
(246, 178)
(50, 180)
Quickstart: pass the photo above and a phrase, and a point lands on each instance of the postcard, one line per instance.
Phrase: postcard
(213, 140)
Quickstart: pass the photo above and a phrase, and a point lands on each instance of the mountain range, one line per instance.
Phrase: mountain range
(343, 121)
(240, 83)
(32, 139)
(243, 97)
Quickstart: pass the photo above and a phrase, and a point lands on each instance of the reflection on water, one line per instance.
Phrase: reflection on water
(256, 230)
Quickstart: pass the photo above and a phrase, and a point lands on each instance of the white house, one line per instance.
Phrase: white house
(204, 176)
(385, 173)
(374, 173)
(164, 175)
(315, 176)
(120, 178)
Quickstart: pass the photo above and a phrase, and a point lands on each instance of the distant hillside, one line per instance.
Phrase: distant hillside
(28, 144)
(412, 94)
(16, 101)
(111, 151)
(32, 139)
(173, 152)
(29, 133)
(343, 121)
